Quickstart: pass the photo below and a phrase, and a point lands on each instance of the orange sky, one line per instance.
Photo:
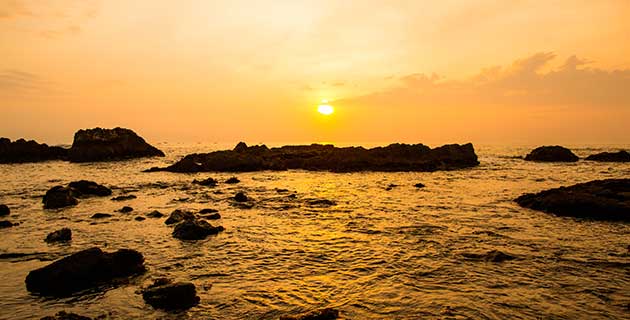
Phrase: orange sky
(522, 71)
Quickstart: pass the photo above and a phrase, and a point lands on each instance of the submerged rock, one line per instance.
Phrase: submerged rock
(240, 197)
(83, 270)
(599, 200)
(208, 210)
(6, 224)
(320, 314)
(84, 188)
(395, 157)
(195, 230)
(125, 209)
(155, 214)
(211, 216)
(62, 315)
(139, 218)
(321, 203)
(232, 180)
(490, 256)
(21, 151)
(210, 182)
(64, 234)
(59, 197)
(4, 210)
(109, 144)
(621, 156)
(179, 216)
(124, 197)
(100, 215)
(551, 154)
(165, 295)
(419, 185)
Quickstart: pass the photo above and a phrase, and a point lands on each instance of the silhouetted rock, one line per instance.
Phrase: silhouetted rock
(320, 314)
(124, 197)
(59, 197)
(101, 215)
(83, 270)
(109, 144)
(240, 197)
(125, 209)
(621, 156)
(391, 186)
(551, 154)
(155, 214)
(419, 185)
(4, 210)
(395, 157)
(210, 182)
(21, 151)
(490, 256)
(64, 234)
(211, 216)
(232, 180)
(89, 188)
(178, 216)
(599, 200)
(6, 224)
(321, 203)
(139, 218)
(171, 296)
(195, 229)
(62, 315)
(208, 210)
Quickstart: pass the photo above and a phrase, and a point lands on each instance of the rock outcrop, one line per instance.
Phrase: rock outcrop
(195, 229)
(179, 216)
(621, 156)
(85, 188)
(599, 200)
(64, 234)
(395, 157)
(21, 151)
(551, 154)
(59, 197)
(171, 296)
(83, 270)
(98, 144)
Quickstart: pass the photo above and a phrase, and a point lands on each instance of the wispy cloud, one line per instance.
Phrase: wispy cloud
(17, 82)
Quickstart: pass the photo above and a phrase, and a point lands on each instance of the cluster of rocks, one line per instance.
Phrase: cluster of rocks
(562, 154)
(64, 196)
(5, 211)
(21, 151)
(188, 226)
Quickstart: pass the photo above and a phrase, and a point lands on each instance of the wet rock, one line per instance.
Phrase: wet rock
(419, 185)
(240, 197)
(281, 190)
(100, 215)
(59, 197)
(84, 269)
(170, 296)
(320, 314)
(22, 151)
(232, 180)
(124, 197)
(109, 144)
(125, 209)
(179, 216)
(139, 218)
(62, 315)
(210, 182)
(4, 210)
(84, 188)
(551, 154)
(240, 147)
(211, 216)
(599, 200)
(208, 210)
(395, 157)
(195, 229)
(155, 214)
(321, 203)
(6, 224)
(64, 234)
(490, 256)
(391, 186)
(621, 156)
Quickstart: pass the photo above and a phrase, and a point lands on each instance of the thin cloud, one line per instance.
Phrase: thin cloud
(16, 81)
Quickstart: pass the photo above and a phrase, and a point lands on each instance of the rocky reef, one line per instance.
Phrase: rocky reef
(21, 151)
(551, 154)
(99, 144)
(620, 156)
(317, 157)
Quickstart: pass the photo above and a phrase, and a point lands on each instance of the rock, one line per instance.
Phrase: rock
(621, 156)
(139, 218)
(84, 188)
(320, 203)
(6, 224)
(391, 186)
(84, 269)
(4, 210)
(21, 151)
(155, 214)
(62, 315)
(64, 234)
(395, 157)
(59, 197)
(125, 209)
(100, 215)
(240, 147)
(490, 256)
(598, 200)
(419, 185)
(208, 210)
(240, 197)
(211, 216)
(321, 314)
(124, 197)
(232, 180)
(207, 182)
(551, 154)
(109, 144)
(195, 230)
(171, 296)
(179, 216)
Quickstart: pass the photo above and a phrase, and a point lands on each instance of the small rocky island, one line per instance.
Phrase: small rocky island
(620, 156)
(22, 151)
(317, 157)
(551, 154)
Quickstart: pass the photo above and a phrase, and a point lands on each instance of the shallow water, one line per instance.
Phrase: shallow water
(376, 254)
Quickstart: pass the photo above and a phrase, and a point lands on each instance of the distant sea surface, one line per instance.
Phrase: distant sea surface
(376, 254)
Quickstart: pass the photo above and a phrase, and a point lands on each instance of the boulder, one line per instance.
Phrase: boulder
(64, 234)
(101, 215)
(179, 216)
(240, 197)
(108, 145)
(211, 216)
(4, 210)
(124, 197)
(59, 197)
(139, 218)
(171, 296)
(83, 270)
(320, 314)
(21, 151)
(621, 156)
(321, 203)
(551, 154)
(155, 214)
(195, 229)
(490, 256)
(598, 200)
(6, 224)
(232, 180)
(419, 185)
(84, 188)
(210, 182)
(125, 209)
(208, 210)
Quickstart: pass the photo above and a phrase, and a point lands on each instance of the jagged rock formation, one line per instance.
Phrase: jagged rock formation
(109, 144)
(21, 151)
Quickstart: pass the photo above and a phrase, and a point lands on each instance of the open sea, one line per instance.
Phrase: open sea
(376, 254)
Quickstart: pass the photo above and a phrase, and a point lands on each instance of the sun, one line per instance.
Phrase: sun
(325, 108)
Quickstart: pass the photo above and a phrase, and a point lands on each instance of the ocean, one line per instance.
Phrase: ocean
(375, 254)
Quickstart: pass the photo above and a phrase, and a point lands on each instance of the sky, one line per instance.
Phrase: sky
(433, 72)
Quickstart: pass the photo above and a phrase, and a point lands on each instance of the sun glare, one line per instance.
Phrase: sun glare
(325, 109)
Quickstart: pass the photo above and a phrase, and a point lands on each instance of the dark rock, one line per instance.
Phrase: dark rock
(155, 214)
(240, 197)
(89, 188)
(101, 215)
(621, 156)
(178, 216)
(64, 234)
(395, 157)
(232, 180)
(125, 209)
(6, 224)
(59, 197)
(195, 230)
(419, 185)
(599, 200)
(4, 210)
(240, 147)
(321, 203)
(124, 197)
(171, 296)
(391, 186)
(62, 315)
(210, 182)
(83, 270)
(108, 145)
(490, 256)
(21, 151)
(139, 218)
(211, 216)
(208, 210)
(551, 154)
(321, 314)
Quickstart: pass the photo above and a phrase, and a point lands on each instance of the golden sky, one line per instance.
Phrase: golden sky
(521, 71)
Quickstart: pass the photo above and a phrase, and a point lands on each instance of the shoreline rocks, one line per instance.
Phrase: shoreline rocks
(59, 197)
(4, 210)
(195, 229)
(91, 145)
(64, 234)
(551, 154)
(22, 151)
(171, 296)
(620, 156)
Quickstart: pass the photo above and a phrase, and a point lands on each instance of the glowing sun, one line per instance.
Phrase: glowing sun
(325, 108)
